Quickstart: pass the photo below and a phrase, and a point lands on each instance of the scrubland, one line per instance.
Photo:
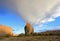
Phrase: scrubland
(45, 36)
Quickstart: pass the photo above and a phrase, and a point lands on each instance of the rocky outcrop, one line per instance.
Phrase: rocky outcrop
(28, 29)
(4, 30)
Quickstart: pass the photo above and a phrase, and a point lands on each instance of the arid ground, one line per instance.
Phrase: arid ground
(32, 38)
(45, 36)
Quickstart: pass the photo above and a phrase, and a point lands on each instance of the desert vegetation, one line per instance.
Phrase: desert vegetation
(43, 36)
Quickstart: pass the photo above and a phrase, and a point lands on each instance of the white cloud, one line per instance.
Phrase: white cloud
(38, 11)
(57, 12)
(51, 19)
(54, 28)
(48, 28)
(48, 20)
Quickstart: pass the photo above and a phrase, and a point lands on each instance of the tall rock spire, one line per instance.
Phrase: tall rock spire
(28, 29)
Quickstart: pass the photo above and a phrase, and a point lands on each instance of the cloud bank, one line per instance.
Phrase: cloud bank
(37, 11)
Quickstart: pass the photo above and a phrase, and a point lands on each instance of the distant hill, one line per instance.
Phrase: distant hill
(51, 32)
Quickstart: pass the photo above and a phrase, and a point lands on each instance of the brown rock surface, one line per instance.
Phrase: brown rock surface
(4, 30)
(28, 29)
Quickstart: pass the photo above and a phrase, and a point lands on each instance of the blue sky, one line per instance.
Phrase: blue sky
(9, 17)
(55, 25)
(13, 21)
(17, 23)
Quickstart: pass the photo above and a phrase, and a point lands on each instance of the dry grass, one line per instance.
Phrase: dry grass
(32, 38)
(45, 36)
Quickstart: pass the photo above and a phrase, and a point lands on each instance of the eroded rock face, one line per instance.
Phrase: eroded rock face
(28, 29)
(4, 30)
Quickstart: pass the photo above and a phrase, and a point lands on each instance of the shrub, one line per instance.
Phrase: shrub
(21, 35)
(35, 34)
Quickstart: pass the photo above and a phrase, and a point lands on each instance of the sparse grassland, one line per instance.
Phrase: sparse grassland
(32, 38)
(45, 36)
